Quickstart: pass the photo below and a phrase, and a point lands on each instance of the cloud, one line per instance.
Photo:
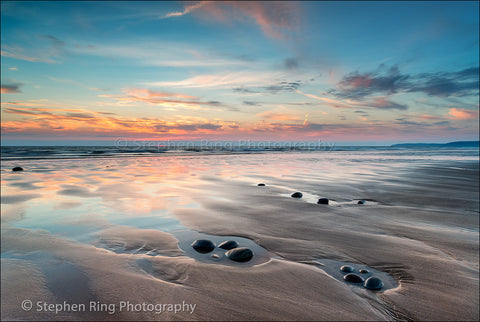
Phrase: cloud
(414, 122)
(357, 86)
(50, 53)
(291, 63)
(209, 126)
(382, 103)
(251, 103)
(276, 19)
(429, 117)
(239, 79)
(18, 53)
(270, 115)
(283, 87)
(329, 101)
(13, 88)
(164, 99)
(271, 89)
(148, 93)
(166, 54)
(54, 40)
(444, 84)
(54, 121)
(403, 121)
(463, 114)
(389, 81)
(186, 10)
(82, 115)
(24, 111)
(69, 81)
(41, 122)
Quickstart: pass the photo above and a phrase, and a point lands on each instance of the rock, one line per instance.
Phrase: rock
(364, 271)
(241, 254)
(361, 202)
(353, 278)
(17, 169)
(373, 283)
(229, 244)
(215, 256)
(322, 201)
(297, 195)
(261, 185)
(203, 246)
(346, 269)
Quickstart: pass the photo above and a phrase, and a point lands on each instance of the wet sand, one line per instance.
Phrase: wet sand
(116, 231)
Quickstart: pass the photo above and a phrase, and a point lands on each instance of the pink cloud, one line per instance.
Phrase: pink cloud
(462, 114)
(329, 101)
(147, 93)
(164, 99)
(278, 116)
(429, 117)
(275, 19)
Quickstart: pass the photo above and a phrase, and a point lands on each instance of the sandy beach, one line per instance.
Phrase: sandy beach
(116, 231)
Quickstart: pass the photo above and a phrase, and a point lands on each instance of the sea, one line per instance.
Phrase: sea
(129, 149)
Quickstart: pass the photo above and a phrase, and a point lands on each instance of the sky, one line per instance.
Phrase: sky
(335, 71)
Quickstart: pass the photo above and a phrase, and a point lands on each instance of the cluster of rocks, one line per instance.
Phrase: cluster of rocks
(321, 201)
(234, 253)
(371, 283)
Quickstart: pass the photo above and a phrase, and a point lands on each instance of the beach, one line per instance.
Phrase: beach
(114, 232)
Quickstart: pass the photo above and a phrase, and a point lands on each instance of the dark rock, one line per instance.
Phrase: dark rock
(346, 269)
(203, 246)
(17, 169)
(373, 283)
(322, 201)
(297, 195)
(261, 185)
(364, 271)
(229, 244)
(241, 254)
(361, 202)
(353, 278)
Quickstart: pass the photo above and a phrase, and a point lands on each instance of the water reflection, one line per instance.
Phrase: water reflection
(144, 192)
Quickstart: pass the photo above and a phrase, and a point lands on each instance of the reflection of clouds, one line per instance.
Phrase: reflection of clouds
(86, 191)
(87, 220)
(76, 191)
(19, 198)
(67, 205)
(12, 212)
(25, 185)
(124, 196)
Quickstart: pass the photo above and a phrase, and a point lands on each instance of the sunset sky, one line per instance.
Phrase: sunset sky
(346, 72)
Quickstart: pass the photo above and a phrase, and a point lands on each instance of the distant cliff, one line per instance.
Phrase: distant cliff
(457, 144)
